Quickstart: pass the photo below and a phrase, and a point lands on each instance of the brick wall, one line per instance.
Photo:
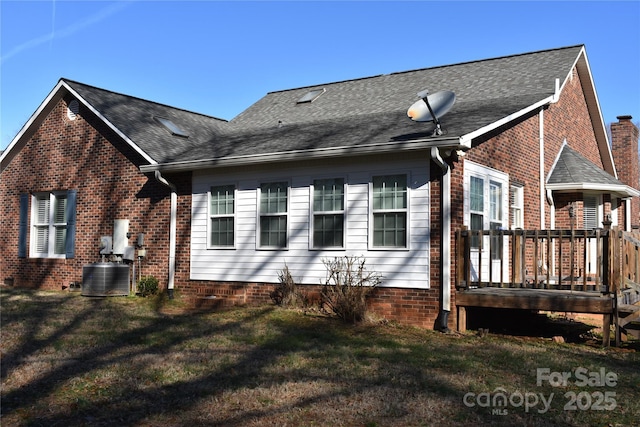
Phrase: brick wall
(84, 155)
(624, 144)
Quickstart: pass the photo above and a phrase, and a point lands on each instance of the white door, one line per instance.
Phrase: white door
(485, 207)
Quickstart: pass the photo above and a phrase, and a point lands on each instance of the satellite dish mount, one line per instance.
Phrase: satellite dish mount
(425, 97)
(437, 105)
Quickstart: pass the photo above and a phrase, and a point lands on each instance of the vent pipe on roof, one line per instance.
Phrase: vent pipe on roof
(172, 231)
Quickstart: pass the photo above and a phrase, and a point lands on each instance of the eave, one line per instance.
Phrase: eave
(621, 191)
(315, 154)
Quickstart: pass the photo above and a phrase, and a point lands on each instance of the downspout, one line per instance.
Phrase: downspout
(445, 240)
(542, 175)
(172, 231)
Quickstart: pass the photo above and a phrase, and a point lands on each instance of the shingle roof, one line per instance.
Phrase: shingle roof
(348, 114)
(572, 168)
(573, 172)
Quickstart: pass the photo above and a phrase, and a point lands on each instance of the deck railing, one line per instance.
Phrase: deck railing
(578, 260)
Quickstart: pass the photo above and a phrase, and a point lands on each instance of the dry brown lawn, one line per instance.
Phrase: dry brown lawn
(69, 360)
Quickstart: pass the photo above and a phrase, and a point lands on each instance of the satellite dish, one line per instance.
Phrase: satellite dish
(432, 107)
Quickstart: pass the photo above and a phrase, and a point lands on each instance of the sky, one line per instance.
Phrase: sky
(217, 58)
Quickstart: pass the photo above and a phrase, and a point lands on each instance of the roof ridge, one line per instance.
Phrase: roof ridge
(66, 80)
(428, 68)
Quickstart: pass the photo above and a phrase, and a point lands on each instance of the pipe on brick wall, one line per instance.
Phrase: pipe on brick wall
(445, 239)
(172, 231)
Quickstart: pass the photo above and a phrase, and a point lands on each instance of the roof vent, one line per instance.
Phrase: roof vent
(311, 96)
(171, 127)
(73, 108)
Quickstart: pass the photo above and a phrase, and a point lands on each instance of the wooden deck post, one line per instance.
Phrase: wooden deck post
(606, 329)
(462, 318)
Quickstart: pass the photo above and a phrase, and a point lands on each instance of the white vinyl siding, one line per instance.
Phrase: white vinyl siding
(247, 262)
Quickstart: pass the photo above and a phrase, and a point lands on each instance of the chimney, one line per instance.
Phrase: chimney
(624, 147)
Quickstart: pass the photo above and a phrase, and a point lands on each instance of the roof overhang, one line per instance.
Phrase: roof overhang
(621, 191)
(314, 154)
(56, 94)
(466, 140)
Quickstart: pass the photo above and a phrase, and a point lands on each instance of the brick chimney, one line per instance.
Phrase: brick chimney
(624, 146)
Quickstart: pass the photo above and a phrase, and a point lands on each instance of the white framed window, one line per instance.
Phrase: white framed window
(328, 213)
(49, 216)
(389, 197)
(485, 203)
(496, 217)
(222, 216)
(273, 215)
(592, 212)
(516, 206)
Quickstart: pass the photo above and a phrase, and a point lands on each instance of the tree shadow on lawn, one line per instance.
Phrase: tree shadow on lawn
(334, 366)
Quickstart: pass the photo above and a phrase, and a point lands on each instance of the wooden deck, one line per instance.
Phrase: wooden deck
(537, 299)
(573, 271)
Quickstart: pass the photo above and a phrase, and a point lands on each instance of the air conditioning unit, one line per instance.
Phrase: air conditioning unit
(105, 279)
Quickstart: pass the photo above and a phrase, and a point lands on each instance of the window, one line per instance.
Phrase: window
(476, 194)
(221, 216)
(389, 203)
(328, 213)
(495, 217)
(273, 215)
(590, 213)
(53, 225)
(516, 203)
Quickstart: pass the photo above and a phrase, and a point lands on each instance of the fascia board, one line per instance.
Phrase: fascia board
(111, 125)
(593, 105)
(321, 153)
(465, 140)
(8, 153)
(603, 188)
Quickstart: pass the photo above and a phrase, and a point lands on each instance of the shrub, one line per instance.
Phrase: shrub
(286, 293)
(347, 286)
(147, 285)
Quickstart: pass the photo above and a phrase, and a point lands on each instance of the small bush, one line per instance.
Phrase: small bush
(286, 293)
(147, 285)
(347, 286)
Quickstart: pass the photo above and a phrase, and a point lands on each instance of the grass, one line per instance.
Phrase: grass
(73, 360)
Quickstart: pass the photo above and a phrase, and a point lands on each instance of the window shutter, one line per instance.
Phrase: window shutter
(22, 226)
(71, 223)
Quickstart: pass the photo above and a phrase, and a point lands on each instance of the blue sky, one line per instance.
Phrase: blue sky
(218, 58)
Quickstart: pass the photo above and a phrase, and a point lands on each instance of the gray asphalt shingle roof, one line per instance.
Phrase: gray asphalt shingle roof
(572, 168)
(348, 114)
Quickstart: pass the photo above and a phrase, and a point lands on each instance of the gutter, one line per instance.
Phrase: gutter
(172, 231)
(445, 240)
(319, 153)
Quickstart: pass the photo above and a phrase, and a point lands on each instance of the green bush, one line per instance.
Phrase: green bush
(147, 285)
(347, 286)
